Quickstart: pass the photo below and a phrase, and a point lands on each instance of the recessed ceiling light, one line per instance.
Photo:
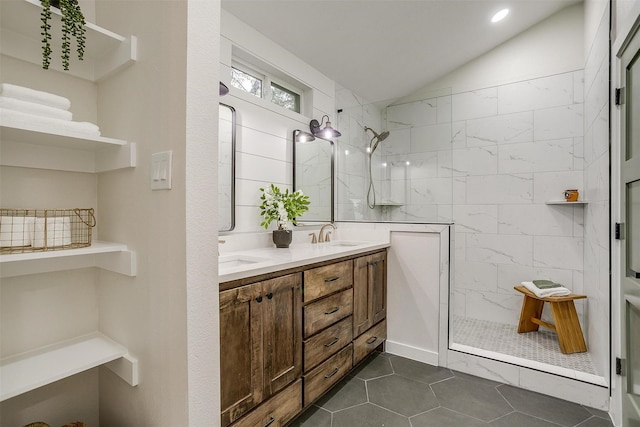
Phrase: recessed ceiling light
(500, 15)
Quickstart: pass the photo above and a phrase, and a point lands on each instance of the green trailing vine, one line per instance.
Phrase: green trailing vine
(73, 25)
(45, 17)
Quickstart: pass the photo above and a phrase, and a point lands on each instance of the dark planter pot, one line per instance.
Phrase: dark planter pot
(282, 238)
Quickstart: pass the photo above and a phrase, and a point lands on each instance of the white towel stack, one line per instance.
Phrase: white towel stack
(543, 292)
(16, 231)
(24, 107)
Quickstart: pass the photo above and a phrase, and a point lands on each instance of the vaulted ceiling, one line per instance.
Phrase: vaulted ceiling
(385, 49)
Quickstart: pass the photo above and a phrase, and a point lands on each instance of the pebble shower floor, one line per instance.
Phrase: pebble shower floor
(541, 346)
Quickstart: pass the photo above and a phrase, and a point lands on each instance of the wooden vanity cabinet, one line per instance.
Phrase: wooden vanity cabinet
(286, 340)
(260, 343)
(369, 291)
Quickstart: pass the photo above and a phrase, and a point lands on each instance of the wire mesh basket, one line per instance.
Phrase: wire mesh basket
(36, 230)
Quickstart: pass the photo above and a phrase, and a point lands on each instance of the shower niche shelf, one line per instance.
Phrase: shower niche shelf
(563, 202)
(384, 203)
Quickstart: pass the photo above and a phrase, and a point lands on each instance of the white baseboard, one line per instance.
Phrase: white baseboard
(413, 353)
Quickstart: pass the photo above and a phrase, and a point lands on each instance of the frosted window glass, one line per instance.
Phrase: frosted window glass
(633, 348)
(633, 226)
(633, 112)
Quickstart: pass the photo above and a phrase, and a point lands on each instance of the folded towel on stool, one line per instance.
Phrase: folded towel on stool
(27, 94)
(554, 291)
(33, 108)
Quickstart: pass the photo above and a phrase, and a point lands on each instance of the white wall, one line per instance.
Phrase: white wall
(166, 316)
(264, 131)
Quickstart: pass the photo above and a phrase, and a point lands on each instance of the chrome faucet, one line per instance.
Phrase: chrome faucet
(325, 237)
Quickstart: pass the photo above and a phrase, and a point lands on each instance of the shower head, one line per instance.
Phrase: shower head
(378, 137)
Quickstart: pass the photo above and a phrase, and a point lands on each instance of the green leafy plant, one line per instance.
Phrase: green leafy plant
(72, 26)
(282, 207)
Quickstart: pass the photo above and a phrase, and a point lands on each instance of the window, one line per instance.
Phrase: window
(261, 85)
(246, 82)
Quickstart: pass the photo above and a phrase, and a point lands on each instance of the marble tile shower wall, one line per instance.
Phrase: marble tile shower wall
(515, 147)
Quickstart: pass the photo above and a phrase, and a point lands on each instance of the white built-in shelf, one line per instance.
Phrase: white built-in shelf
(28, 371)
(109, 256)
(28, 146)
(564, 202)
(106, 52)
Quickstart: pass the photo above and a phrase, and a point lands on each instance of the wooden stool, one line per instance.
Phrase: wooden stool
(567, 325)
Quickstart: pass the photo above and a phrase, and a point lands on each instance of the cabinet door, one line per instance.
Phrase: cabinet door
(240, 351)
(282, 332)
(369, 291)
(378, 286)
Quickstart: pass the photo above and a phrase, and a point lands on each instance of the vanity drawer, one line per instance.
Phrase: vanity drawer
(326, 280)
(327, 311)
(277, 411)
(327, 374)
(327, 343)
(368, 341)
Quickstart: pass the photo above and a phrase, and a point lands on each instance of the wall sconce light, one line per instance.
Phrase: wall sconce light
(223, 89)
(326, 132)
(302, 136)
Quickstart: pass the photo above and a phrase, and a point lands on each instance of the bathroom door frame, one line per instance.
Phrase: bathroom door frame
(629, 166)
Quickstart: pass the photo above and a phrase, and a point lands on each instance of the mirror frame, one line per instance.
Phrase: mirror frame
(233, 167)
(332, 178)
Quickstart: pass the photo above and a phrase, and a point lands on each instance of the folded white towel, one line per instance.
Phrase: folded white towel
(15, 231)
(33, 108)
(58, 232)
(549, 292)
(46, 124)
(27, 94)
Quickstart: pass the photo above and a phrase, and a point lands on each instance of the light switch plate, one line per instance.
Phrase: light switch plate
(161, 170)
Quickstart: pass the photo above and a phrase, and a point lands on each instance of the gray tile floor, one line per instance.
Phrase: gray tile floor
(392, 391)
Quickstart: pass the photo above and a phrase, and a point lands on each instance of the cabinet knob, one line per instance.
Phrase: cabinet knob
(270, 295)
(271, 420)
(259, 298)
(333, 342)
(372, 340)
(331, 279)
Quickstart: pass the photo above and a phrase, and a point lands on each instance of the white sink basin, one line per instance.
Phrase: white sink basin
(228, 261)
(346, 243)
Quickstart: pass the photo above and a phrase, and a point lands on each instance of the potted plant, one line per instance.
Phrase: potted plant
(72, 26)
(284, 208)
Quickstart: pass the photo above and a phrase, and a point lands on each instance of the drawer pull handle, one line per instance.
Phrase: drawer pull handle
(270, 295)
(335, 371)
(333, 310)
(271, 420)
(329, 344)
(259, 298)
(331, 279)
(372, 340)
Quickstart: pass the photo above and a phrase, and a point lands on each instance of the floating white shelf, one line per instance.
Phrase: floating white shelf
(28, 146)
(106, 52)
(109, 256)
(563, 202)
(28, 371)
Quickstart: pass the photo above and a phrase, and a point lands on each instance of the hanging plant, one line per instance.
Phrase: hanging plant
(72, 26)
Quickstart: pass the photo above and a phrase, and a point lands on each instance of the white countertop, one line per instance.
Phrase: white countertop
(252, 262)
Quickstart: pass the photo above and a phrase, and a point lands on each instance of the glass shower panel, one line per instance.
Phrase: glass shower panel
(399, 170)
(633, 125)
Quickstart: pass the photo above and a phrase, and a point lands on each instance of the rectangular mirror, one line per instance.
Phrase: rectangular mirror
(313, 172)
(226, 167)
